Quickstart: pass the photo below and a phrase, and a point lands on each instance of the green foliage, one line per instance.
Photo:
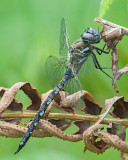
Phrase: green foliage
(104, 6)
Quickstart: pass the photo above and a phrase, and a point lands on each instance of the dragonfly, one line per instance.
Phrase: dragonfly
(63, 72)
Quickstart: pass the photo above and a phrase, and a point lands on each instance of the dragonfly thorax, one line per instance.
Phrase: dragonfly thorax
(76, 60)
(80, 45)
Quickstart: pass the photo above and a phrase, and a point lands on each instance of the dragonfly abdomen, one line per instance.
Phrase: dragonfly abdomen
(43, 108)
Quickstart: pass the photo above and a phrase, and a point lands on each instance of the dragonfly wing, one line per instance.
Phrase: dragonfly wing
(55, 68)
(72, 87)
(87, 67)
(64, 39)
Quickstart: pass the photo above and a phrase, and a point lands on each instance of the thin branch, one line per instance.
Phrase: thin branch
(73, 117)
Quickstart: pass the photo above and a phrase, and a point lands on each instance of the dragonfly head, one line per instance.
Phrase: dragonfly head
(91, 36)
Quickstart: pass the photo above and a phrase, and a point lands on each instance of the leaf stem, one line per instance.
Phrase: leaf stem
(74, 117)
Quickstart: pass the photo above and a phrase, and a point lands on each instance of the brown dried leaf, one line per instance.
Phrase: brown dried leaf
(32, 93)
(2, 90)
(92, 107)
(65, 102)
(37, 107)
(48, 130)
(113, 141)
(61, 123)
(120, 73)
(120, 107)
(12, 130)
(118, 130)
(9, 95)
(69, 102)
(101, 145)
(109, 33)
(123, 156)
(83, 126)
(13, 121)
(89, 139)
(115, 54)
(116, 89)
(108, 105)
(15, 104)
(54, 131)
(112, 34)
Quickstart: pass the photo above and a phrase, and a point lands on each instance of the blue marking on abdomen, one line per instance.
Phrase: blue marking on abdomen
(66, 78)
(60, 85)
(44, 106)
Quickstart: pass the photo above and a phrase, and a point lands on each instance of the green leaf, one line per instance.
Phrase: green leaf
(104, 6)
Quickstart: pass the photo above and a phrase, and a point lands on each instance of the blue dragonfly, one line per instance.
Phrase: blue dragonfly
(63, 71)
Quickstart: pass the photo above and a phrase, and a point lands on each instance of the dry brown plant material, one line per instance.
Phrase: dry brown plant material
(55, 124)
(112, 34)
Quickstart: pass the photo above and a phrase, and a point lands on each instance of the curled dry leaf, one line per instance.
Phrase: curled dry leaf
(54, 131)
(116, 88)
(123, 156)
(89, 139)
(113, 30)
(45, 129)
(120, 73)
(112, 34)
(115, 59)
(111, 37)
(15, 105)
(60, 123)
(37, 107)
(120, 107)
(83, 126)
(91, 106)
(63, 101)
(87, 132)
(108, 105)
(118, 130)
(113, 141)
(13, 121)
(9, 95)
(15, 131)
(11, 130)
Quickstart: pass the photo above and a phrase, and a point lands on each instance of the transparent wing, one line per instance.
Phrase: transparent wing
(55, 68)
(87, 67)
(64, 39)
(74, 86)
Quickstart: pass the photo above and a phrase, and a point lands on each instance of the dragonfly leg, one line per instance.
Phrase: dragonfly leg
(97, 65)
(100, 51)
(106, 67)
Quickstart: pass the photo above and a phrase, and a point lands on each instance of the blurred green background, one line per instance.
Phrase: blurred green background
(29, 33)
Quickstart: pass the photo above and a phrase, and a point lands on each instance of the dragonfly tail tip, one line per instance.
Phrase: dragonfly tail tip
(17, 151)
